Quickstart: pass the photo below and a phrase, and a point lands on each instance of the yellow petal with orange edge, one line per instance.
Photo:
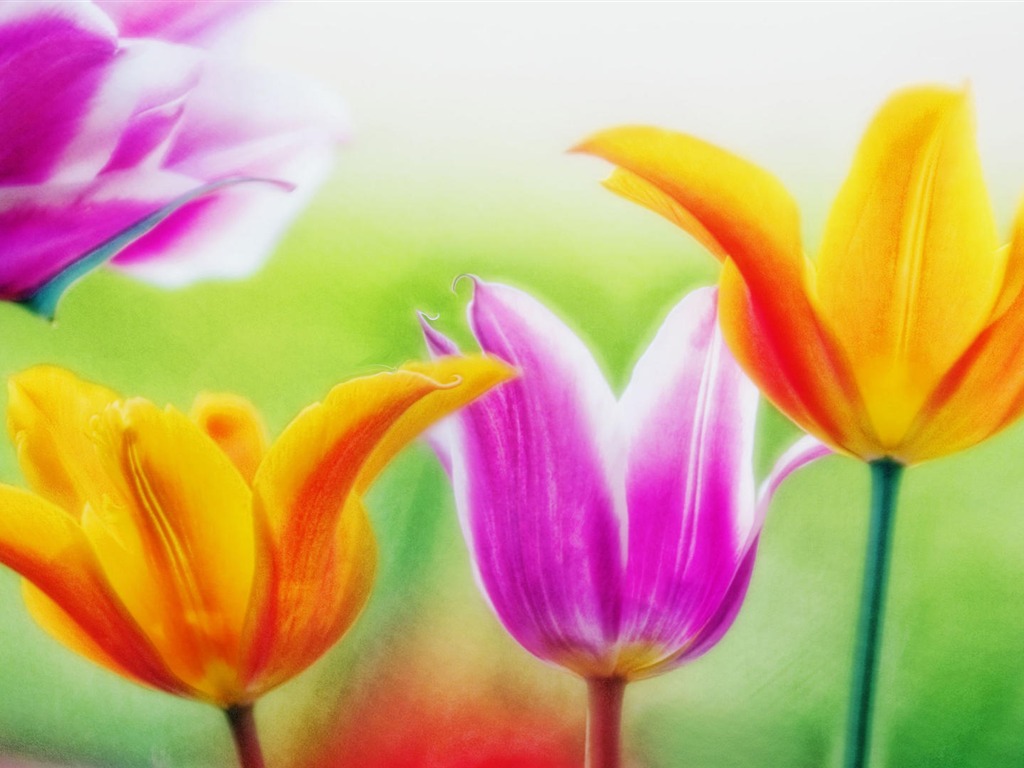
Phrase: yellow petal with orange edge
(910, 270)
(803, 375)
(48, 415)
(180, 553)
(59, 625)
(746, 217)
(303, 487)
(983, 392)
(236, 426)
(47, 547)
(725, 202)
(300, 620)
(473, 375)
(633, 188)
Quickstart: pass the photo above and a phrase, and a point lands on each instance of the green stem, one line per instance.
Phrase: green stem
(885, 480)
(243, 730)
(604, 722)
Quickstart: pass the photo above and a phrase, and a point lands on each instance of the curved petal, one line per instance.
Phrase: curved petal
(302, 497)
(60, 625)
(473, 375)
(49, 229)
(49, 548)
(689, 481)
(815, 387)
(536, 498)
(741, 212)
(284, 640)
(48, 413)
(234, 424)
(54, 57)
(910, 270)
(240, 122)
(180, 551)
(983, 392)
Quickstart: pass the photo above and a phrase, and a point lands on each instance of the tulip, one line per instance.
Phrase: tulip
(138, 147)
(901, 343)
(613, 538)
(187, 555)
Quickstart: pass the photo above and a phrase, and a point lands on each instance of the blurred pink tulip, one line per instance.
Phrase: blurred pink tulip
(115, 143)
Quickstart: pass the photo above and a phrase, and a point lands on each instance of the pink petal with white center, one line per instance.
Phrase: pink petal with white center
(239, 123)
(54, 58)
(691, 412)
(529, 468)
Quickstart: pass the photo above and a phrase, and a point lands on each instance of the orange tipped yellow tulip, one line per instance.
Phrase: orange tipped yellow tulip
(186, 554)
(905, 338)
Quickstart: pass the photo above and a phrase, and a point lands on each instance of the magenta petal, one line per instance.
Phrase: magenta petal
(689, 478)
(45, 230)
(239, 123)
(531, 484)
(53, 59)
(197, 22)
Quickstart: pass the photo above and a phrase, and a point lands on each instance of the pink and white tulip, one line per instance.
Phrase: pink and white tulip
(131, 141)
(612, 537)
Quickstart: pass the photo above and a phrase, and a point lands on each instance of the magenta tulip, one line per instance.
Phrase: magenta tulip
(115, 143)
(613, 537)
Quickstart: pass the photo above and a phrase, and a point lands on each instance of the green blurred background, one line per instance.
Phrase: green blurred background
(457, 164)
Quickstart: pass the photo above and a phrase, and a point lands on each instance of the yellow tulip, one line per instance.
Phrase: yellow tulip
(905, 338)
(185, 553)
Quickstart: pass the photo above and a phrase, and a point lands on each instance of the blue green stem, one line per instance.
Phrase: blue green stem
(885, 481)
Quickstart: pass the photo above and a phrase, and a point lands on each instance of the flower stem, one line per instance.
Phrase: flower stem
(885, 480)
(243, 729)
(604, 722)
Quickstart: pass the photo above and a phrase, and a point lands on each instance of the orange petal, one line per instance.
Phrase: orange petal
(725, 202)
(474, 374)
(805, 377)
(236, 426)
(62, 627)
(303, 487)
(179, 553)
(47, 546)
(909, 270)
(48, 414)
(302, 620)
(745, 216)
(983, 392)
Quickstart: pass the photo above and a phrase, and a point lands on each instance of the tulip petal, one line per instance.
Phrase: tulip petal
(740, 211)
(804, 376)
(59, 624)
(305, 618)
(54, 57)
(909, 267)
(47, 547)
(983, 392)
(530, 472)
(43, 299)
(236, 426)
(180, 552)
(47, 408)
(689, 483)
(240, 122)
(301, 499)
